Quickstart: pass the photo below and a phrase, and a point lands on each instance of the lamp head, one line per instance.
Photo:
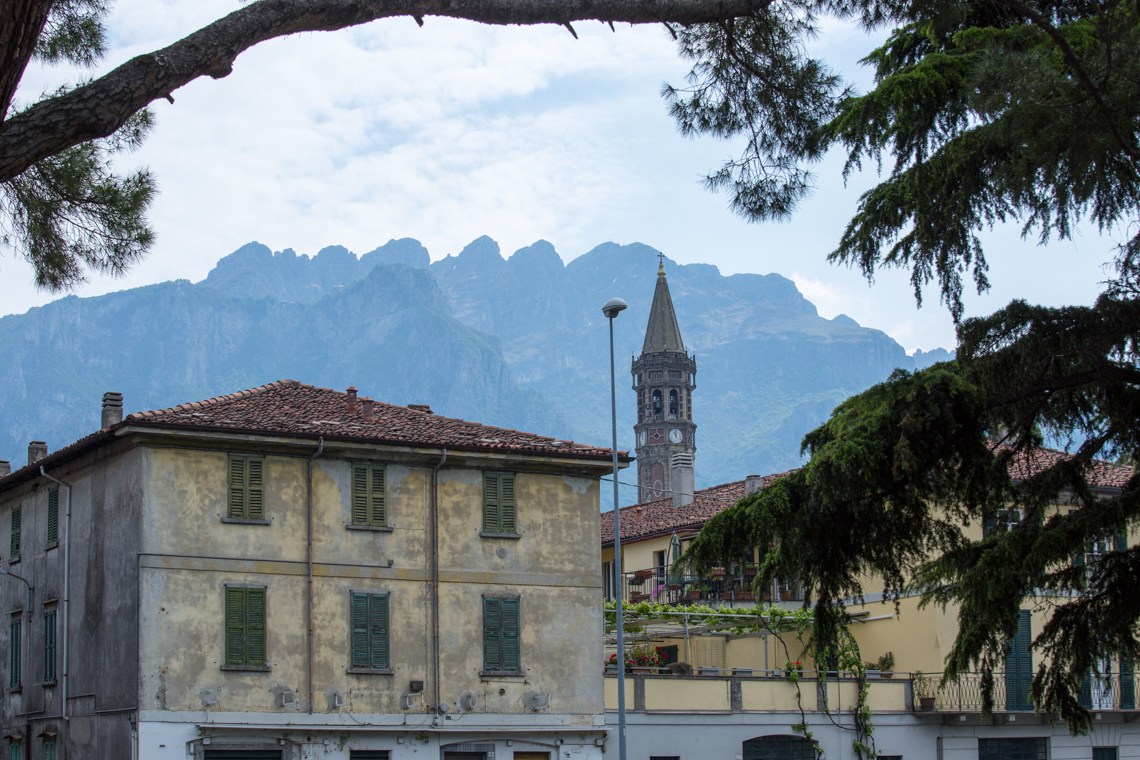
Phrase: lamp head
(613, 306)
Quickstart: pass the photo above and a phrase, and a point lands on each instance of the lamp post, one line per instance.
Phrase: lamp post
(4, 571)
(611, 309)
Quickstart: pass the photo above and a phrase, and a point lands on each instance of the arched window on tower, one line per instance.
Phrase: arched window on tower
(673, 404)
(658, 412)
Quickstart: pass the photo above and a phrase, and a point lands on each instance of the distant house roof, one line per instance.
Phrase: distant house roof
(662, 333)
(288, 407)
(652, 519)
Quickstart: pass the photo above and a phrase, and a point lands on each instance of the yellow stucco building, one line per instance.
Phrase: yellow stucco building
(296, 572)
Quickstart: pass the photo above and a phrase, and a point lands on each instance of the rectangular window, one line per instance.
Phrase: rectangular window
(1012, 749)
(245, 626)
(246, 488)
(369, 631)
(1105, 753)
(501, 635)
(608, 581)
(1005, 519)
(368, 496)
(53, 517)
(14, 654)
(49, 749)
(15, 553)
(15, 750)
(49, 646)
(499, 502)
(368, 754)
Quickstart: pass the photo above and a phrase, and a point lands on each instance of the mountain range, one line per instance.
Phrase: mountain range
(517, 342)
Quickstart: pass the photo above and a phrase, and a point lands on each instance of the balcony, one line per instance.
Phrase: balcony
(732, 586)
(1112, 692)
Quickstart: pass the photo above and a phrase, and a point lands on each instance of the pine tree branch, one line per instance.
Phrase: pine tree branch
(100, 108)
(1082, 73)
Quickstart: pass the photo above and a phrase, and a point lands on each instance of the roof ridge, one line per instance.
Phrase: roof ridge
(219, 399)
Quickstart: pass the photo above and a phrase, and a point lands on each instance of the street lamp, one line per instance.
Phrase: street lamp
(611, 309)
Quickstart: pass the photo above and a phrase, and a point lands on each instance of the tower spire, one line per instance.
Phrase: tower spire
(664, 377)
(663, 333)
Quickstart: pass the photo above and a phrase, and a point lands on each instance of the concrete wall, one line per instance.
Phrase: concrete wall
(190, 555)
(107, 495)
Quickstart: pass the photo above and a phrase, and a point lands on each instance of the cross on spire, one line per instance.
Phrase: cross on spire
(660, 264)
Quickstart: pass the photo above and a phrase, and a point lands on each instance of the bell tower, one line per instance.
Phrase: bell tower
(664, 378)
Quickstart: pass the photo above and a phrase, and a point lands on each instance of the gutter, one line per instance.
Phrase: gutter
(309, 561)
(66, 595)
(435, 580)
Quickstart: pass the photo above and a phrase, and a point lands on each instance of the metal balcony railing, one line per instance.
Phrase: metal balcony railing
(1011, 693)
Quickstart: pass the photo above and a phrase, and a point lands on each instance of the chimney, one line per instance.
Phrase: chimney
(421, 408)
(367, 403)
(752, 484)
(37, 450)
(112, 409)
(5, 468)
(352, 398)
(682, 479)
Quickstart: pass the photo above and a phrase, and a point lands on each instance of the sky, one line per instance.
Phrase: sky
(456, 130)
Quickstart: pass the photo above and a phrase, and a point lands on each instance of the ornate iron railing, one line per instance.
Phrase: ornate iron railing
(1115, 691)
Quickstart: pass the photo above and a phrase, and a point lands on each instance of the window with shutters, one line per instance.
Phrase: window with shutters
(501, 635)
(15, 751)
(15, 548)
(53, 518)
(499, 504)
(49, 749)
(1027, 748)
(49, 646)
(246, 494)
(779, 748)
(368, 505)
(1002, 520)
(245, 628)
(14, 659)
(369, 632)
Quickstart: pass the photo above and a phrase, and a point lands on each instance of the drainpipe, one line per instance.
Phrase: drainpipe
(309, 559)
(435, 578)
(66, 578)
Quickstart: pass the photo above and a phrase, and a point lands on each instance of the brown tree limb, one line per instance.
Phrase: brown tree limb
(1082, 73)
(101, 107)
(21, 24)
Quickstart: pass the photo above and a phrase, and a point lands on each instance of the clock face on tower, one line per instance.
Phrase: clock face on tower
(641, 438)
(675, 435)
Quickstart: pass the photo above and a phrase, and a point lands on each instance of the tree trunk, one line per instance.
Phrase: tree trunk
(21, 23)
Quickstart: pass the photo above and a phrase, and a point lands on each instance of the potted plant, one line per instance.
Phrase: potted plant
(925, 702)
(881, 667)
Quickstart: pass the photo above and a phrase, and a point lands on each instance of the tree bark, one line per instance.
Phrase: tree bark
(101, 107)
(21, 23)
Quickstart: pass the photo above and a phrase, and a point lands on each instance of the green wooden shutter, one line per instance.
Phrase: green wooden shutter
(1127, 683)
(492, 634)
(235, 626)
(14, 654)
(255, 626)
(360, 645)
(511, 658)
(359, 494)
(53, 517)
(49, 646)
(1019, 667)
(491, 522)
(237, 487)
(15, 532)
(989, 525)
(1120, 541)
(377, 516)
(255, 488)
(378, 630)
(14, 751)
(507, 503)
(49, 749)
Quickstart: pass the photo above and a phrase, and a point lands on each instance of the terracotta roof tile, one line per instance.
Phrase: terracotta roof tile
(289, 407)
(650, 519)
